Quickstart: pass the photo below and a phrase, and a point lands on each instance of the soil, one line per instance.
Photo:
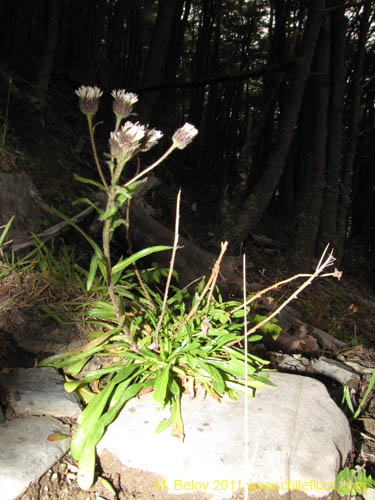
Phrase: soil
(119, 483)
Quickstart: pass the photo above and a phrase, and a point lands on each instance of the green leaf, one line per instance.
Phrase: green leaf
(163, 425)
(365, 396)
(100, 308)
(108, 485)
(53, 314)
(110, 212)
(89, 181)
(254, 338)
(224, 339)
(118, 222)
(67, 358)
(177, 423)
(269, 328)
(5, 230)
(89, 202)
(85, 393)
(216, 377)
(344, 481)
(161, 385)
(174, 387)
(92, 271)
(98, 427)
(129, 190)
(88, 419)
(86, 468)
(122, 264)
(75, 368)
(220, 315)
(95, 247)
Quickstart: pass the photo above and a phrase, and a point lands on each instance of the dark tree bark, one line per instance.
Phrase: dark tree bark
(327, 232)
(353, 132)
(115, 45)
(156, 56)
(201, 60)
(259, 130)
(238, 225)
(314, 155)
(46, 64)
(165, 108)
(99, 33)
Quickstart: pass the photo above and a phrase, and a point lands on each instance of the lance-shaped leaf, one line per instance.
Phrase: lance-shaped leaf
(136, 256)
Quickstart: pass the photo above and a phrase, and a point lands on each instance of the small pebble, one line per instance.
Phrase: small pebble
(71, 477)
(72, 468)
(54, 477)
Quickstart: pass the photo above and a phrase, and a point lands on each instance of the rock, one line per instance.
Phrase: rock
(18, 196)
(35, 334)
(26, 453)
(39, 391)
(298, 440)
(369, 494)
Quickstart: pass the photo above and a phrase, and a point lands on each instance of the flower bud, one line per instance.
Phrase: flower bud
(184, 135)
(123, 103)
(88, 99)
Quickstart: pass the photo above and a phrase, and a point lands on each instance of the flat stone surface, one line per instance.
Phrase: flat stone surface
(298, 439)
(39, 391)
(26, 453)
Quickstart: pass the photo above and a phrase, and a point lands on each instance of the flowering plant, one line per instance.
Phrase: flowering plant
(169, 346)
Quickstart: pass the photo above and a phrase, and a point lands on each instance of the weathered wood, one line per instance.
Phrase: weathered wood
(192, 261)
(53, 231)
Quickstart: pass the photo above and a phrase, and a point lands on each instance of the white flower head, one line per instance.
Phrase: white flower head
(126, 141)
(88, 99)
(184, 135)
(152, 136)
(123, 102)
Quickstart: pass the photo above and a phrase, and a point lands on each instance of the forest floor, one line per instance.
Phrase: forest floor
(58, 148)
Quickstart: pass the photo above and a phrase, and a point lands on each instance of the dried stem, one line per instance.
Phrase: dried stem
(130, 249)
(170, 273)
(212, 280)
(151, 167)
(93, 145)
(322, 264)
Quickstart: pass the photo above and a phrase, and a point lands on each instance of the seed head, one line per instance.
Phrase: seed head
(123, 102)
(184, 135)
(88, 99)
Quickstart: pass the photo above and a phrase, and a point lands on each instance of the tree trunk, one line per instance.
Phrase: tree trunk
(165, 107)
(353, 132)
(327, 232)
(239, 224)
(46, 64)
(315, 123)
(253, 151)
(157, 56)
